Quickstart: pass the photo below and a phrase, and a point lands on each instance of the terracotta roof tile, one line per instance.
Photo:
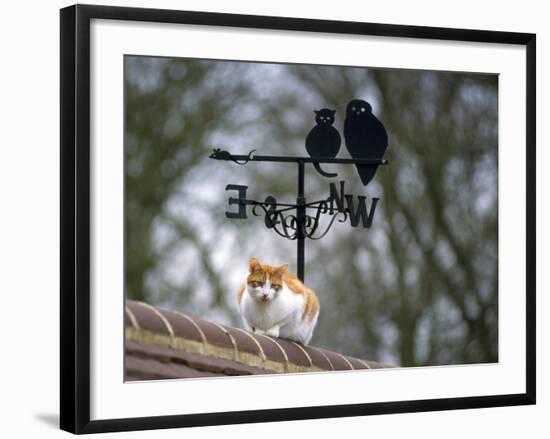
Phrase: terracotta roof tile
(169, 344)
(183, 325)
(146, 317)
(245, 341)
(198, 362)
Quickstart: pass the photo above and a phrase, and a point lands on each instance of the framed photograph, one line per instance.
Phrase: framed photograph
(276, 218)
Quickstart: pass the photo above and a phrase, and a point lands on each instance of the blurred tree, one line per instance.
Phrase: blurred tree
(169, 112)
(418, 288)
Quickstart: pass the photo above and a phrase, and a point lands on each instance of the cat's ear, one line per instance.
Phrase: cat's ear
(254, 265)
(282, 269)
(333, 112)
(316, 111)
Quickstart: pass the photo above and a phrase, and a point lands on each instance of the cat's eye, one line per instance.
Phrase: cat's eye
(363, 109)
(276, 287)
(255, 284)
(353, 108)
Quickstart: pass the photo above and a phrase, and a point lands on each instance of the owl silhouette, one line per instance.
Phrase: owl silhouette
(323, 140)
(365, 137)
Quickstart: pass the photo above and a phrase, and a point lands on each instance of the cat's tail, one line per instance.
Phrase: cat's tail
(323, 173)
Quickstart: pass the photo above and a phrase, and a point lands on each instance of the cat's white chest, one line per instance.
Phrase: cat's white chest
(284, 309)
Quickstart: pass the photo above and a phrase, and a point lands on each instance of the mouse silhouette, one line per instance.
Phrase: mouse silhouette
(323, 140)
(220, 154)
(365, 137)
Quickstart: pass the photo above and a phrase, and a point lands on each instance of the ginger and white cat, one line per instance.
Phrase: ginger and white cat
(273, 301)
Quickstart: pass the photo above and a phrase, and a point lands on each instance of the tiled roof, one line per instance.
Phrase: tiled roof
(169, 344)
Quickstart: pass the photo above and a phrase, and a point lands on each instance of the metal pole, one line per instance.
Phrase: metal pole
(300, 218)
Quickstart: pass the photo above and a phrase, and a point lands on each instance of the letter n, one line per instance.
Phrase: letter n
(336, 197)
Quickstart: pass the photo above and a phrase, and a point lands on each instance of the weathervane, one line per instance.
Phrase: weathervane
(366, 140)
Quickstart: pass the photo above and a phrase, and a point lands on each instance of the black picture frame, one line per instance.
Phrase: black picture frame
(76, 210)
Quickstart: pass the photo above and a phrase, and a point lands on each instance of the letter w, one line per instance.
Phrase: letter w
(361, 212)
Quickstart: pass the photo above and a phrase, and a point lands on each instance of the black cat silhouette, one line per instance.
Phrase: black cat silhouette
(323, 140)
(365, 137)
